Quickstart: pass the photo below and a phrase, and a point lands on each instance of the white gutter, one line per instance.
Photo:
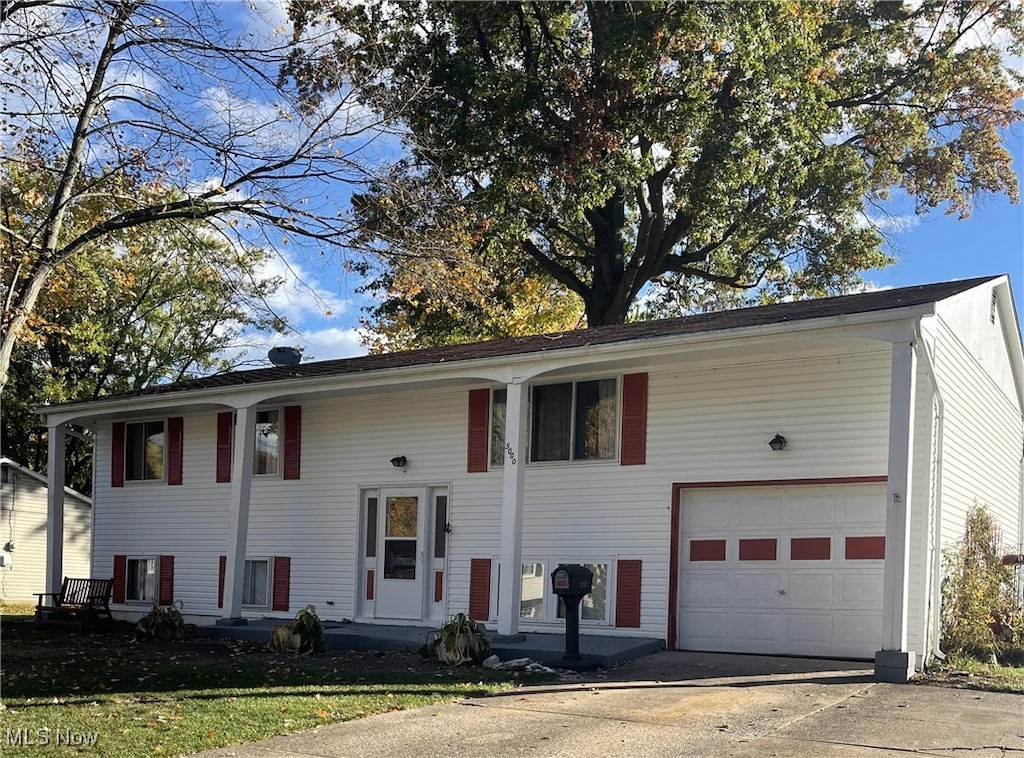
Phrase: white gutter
(935, 622)
(501, 368)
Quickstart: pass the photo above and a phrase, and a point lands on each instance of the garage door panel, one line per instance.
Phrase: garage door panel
(861, 590)
(756, 627)
(754, 590)
(708, 589)
(809, 629)
(713, 512)
(862, 509)
(860, 630)
(808, 601)
(708, 628)
(760, 512)
(810, 589)
(818, 509)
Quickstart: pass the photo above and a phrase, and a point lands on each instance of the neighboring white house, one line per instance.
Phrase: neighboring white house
(396, 488)
(23, 536)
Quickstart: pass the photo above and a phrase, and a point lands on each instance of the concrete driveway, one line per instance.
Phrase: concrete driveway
(686, 704)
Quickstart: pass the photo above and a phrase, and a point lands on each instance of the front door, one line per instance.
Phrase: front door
(400, 548)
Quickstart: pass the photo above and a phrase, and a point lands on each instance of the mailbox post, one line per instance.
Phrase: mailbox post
(572, 582)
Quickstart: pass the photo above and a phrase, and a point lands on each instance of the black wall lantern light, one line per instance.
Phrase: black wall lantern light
(399, 461)
(778, 442)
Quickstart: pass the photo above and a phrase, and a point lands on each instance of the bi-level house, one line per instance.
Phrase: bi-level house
(778, 479)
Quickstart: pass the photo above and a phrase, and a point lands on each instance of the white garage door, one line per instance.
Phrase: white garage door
(793, 570)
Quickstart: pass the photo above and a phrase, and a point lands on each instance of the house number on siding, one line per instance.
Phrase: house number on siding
(511, 453)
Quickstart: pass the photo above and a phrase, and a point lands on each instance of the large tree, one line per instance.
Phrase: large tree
(154, 303)
(679, 146)
(173, 115)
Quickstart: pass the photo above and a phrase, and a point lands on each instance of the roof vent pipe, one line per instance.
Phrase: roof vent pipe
(285, 356)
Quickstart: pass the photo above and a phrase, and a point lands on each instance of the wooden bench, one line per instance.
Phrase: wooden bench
(78, 602)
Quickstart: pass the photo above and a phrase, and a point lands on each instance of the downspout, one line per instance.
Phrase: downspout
(934, 630)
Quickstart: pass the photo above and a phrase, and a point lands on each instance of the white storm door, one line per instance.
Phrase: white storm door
(400, 551)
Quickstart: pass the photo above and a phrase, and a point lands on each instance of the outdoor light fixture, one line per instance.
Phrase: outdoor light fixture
(398, 461)
(778, 442)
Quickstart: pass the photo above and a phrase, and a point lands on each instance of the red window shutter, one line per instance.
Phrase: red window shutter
(478, 440)
(480, 589)
(225, 425)
(220, 580)
(634, 420)
(117, 456)
(165, 595)
(120, 575)
(627, 593)
(292, 440)
(175, 441)
(282, 583)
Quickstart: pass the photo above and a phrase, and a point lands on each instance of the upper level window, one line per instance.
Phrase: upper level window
(499, 399)
(144, 451)
(268, 442)
(573, 421)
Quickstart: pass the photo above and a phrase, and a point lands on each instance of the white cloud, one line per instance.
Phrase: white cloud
(303, 295)
(892, 223)
(333, 342)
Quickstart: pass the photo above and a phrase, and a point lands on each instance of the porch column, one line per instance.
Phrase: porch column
(509, 581)
(238, 526)
(894, 663)
(55, 464)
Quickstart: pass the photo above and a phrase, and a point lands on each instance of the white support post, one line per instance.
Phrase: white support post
(238, 527)
(55, 464)
(894, 663)
(509, 582)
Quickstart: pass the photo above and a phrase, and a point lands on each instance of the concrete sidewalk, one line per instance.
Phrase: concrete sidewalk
(686, 704)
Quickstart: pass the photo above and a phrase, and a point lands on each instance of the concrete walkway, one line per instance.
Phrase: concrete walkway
(547, 648)
(686, 704)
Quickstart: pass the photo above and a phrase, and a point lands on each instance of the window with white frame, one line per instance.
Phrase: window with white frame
(499, 400)
(531, 604)
(144, 451)
(140, 580)
(593, 607)
(256, 583)
(268, 443)
(573, 421)
(539, 603)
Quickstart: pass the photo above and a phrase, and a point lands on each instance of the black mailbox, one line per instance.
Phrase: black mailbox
(571, 582)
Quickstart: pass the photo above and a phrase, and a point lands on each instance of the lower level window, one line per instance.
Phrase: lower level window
(140, 584)
(593, 607)
(256, 583)
(537, 601)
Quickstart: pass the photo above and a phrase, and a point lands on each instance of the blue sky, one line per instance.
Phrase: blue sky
(936, 247)
(929, 248)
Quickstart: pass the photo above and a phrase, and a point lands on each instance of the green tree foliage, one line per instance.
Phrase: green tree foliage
(150, 304)
(979, 603)
(144, 114)
(676, 149)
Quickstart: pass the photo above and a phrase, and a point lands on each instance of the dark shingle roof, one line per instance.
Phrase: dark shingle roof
(744, 317)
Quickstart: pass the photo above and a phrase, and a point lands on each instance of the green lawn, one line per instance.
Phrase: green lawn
(177, 698)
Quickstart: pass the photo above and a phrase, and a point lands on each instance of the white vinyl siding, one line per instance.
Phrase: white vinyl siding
(982, 435)
(23, 521)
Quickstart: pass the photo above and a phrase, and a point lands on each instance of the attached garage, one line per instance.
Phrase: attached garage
(793, 569)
